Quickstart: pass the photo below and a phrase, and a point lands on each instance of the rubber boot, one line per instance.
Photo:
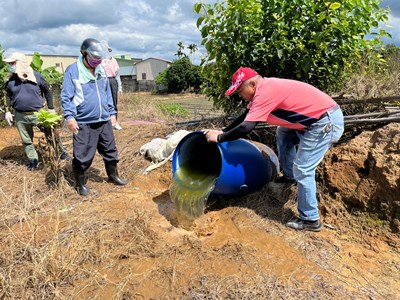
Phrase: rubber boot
(80, 181)
(112, 172)
(33, 165)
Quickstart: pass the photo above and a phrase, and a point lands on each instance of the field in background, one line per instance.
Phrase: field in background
(197, 105)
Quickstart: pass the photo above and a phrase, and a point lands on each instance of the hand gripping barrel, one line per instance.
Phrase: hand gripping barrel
(241, 167)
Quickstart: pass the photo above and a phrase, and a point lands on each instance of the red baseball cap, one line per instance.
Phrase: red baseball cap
(240, 76)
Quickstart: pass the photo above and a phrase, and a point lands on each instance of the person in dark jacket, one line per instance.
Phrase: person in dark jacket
(24, 95)
(90, 113)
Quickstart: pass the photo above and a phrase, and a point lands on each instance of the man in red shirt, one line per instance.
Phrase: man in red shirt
(309, 122)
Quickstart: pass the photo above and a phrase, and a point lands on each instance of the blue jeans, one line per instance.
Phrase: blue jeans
(301, 151)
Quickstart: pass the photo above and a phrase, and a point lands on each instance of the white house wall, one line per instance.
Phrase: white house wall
(150, 67)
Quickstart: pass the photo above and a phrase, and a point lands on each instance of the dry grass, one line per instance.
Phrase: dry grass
(50, 249)
(56, 245)
(146, 107)
(47, 244)
(368, 82)
(261, 286)
(141, 107)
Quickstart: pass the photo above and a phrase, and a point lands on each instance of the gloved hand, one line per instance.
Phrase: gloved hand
(9, 118)
(51, 110)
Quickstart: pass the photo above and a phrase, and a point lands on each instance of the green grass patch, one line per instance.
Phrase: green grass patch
(174, 109)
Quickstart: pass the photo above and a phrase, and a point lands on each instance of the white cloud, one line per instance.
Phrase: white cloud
(142, 28)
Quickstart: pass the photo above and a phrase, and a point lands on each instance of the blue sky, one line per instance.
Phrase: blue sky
(142, 28)
(393, 25)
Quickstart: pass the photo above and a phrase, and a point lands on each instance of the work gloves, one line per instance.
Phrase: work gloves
(9, 118)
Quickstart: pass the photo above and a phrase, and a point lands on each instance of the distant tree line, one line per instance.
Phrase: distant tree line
(182, 75)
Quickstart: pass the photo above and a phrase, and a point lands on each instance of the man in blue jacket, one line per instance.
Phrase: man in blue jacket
(90, 113)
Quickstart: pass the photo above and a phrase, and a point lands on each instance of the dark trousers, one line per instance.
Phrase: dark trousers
(114, 91)
(91, 137)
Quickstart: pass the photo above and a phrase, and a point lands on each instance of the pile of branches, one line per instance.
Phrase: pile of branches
(370, 111)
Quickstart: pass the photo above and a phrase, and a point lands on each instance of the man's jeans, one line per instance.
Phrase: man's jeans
(299, 154)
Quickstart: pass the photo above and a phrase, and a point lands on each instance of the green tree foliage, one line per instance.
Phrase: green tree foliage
(181, 76)
(179, 53)
(3, 78)
(192, 48)
(51, 75)
(162, 78)
(3, 73)
(308, 40)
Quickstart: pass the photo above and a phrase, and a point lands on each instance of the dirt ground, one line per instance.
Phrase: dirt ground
(125, 242)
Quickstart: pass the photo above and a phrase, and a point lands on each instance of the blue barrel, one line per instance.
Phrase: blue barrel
(240, 166)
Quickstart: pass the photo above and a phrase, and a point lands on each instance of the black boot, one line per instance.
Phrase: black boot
(80, 182)
(33, 165)
(112, 172)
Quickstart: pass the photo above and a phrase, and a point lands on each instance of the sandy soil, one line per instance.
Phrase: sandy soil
(125, 242)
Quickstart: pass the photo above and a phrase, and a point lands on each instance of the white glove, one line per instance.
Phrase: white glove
(51, 110)
(9, 118)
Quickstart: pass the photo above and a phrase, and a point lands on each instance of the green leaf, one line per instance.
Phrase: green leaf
(197, 7)
(204, 31)
(334, 6)
(48, 119)
(199, 21)
(37, 62)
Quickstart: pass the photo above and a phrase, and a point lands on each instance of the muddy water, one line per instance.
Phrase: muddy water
(189, 190)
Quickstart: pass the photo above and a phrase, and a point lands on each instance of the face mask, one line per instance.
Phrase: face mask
(93, 62)
(12, 68)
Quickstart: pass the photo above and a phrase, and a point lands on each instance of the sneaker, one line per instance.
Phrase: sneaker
(65, 156)
(300, 224)
(33, 165)
(117, 126)
(284, 179)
